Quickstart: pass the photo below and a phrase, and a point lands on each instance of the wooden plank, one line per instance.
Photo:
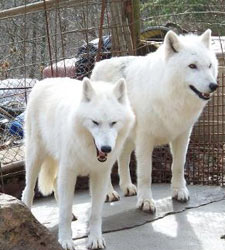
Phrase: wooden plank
(33, 7)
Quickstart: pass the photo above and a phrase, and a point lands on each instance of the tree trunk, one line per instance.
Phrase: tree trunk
(121, 36)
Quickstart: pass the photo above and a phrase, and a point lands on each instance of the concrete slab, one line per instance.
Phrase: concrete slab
(196, 225)
(194, 229)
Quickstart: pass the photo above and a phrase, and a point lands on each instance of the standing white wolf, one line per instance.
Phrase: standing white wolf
(74, 128)
(168, 90)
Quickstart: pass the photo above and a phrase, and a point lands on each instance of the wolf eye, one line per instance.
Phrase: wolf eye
(96, 123)
(210, 65)
(112, 124)
(192, 66)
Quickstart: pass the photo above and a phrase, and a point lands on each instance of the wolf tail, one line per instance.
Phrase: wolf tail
(47, 176)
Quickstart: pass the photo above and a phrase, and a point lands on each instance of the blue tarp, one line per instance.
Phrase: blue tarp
(16, 126)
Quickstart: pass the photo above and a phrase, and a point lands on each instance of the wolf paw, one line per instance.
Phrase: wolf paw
(180, 194)
(146, 205)
(112, 196)
(96, 242)
(27, 198)
(67, 244)
(129, 190)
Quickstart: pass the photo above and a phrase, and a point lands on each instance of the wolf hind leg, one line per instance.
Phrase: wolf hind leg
(33, 162)
(126, 185)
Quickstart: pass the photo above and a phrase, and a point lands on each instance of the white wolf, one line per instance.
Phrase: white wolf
(168, 90)
(74, 128)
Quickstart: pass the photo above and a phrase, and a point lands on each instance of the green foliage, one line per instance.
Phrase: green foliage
(191, 15)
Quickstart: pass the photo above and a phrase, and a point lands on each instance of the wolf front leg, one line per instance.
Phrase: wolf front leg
(143, 152)
(179, 149)
(98, 186)
(66, 183)
(55, 189)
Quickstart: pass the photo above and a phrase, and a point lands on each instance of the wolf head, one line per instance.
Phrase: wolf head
(192, 63)
(106, 115)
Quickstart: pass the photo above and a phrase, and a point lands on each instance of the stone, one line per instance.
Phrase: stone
(19, 230)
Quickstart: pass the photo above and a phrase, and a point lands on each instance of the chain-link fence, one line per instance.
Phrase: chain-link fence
(61, 38)
(206, 155)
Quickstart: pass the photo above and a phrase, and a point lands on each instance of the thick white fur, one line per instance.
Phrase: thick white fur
(165, 106)
(59, 144)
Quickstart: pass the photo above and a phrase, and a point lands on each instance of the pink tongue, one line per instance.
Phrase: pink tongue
(101, 154)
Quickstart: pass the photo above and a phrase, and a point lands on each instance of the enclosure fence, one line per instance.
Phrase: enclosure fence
(55, 38)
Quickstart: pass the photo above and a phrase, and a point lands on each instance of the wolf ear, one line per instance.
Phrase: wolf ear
(172, 43)
(206, 38)
(120, 90)
(88, 90)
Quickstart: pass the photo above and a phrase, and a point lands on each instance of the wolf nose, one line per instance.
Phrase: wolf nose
(213, 86)
(106, 149)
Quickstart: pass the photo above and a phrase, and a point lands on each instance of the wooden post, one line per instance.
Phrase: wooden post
(136, 23)
(132, 12)
(121, 36)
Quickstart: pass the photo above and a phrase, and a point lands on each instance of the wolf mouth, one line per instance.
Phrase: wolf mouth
(204, 96)
(101, 156)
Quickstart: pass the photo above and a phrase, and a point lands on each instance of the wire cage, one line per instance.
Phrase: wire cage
(51, 38)
(57, 38)
(205, 162)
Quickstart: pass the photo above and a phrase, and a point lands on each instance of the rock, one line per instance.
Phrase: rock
(19, 230)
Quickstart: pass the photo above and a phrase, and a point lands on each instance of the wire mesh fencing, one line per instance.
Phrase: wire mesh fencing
(65, 38)
(51, 38)
(205, 163)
